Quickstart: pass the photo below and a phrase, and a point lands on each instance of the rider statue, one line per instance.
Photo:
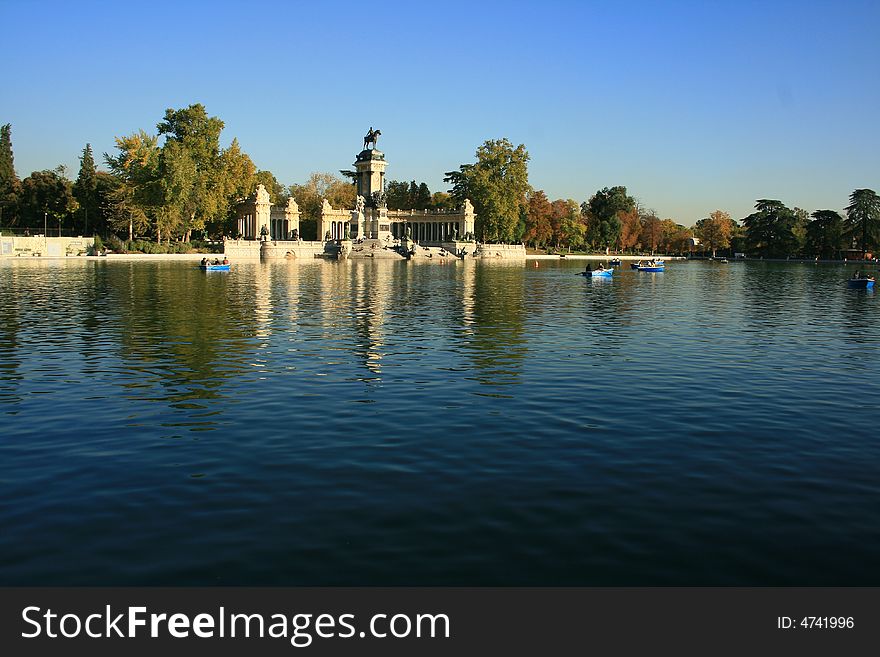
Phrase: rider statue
(371, 137)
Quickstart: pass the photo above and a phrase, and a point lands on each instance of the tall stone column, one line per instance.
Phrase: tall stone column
(370, 166)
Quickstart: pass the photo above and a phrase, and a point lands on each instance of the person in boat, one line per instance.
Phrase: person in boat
(589, 268)
(216, 261)
(225, 260)
(204, 262)
(857, 275)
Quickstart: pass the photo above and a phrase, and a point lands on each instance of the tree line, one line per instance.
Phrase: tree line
(188, 187)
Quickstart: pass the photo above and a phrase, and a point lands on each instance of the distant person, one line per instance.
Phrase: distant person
(589, 268)
(225, 260)
(204, 262)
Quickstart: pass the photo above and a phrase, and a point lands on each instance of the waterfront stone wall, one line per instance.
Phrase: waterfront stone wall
(12, 246)
(299, 249)
(500, 251)
(241, 249)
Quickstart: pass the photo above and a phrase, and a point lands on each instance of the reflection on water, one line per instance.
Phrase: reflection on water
(382, 422)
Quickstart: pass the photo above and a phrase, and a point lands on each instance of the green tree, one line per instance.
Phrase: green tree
(134, 205)
(423, 197)
(397, 195)
(85, 190)
(461, 185)
(10, 186)
(824, 234)
(189, 169)
(799, 230)
(770, 230)
(602, 213)
(442, 201)
(863, 217)
(278, 194)
(497, 184)
(46, 194)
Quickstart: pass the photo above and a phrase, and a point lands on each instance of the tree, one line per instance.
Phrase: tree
(461, 186)
(10, 187)
(189, 168)
(310, 195)
(863, 217)
(652, 230)
(770, 230)
(538, 231)
(85, 190)
(278, 194)
(715, 230)
(824, 234)
(674, 238)
(497, 184)
(422, 198)
(630, 227)
(133, 204)
(45, 193)
(442, 201)
(799, 230)
(397, 195)
(602, 211)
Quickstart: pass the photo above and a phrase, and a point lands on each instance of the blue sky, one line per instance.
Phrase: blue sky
(691, 105)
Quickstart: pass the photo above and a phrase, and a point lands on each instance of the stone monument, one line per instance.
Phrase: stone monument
(370, 167)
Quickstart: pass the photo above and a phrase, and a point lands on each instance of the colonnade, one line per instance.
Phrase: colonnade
(427, 231)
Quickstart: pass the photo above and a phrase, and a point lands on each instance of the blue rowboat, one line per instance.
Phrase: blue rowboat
(861, 283)
(214, 267)
(598, 273)
(652, 268)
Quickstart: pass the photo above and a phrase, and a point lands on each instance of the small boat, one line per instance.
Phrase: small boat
(597, 273)
(214, 267)
(635, 265)
(652, 267)
(615, 262)
(862, 282)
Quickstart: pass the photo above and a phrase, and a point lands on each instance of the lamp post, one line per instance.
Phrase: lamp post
(45, 233)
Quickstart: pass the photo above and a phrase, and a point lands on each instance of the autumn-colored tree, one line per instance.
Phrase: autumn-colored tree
(651, 231)
(310, 195)
(630, 226)
(568, 224)
(715, 230)
(539, 230)
(674, 237)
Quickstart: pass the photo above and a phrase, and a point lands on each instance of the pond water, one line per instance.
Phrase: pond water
(393, 423)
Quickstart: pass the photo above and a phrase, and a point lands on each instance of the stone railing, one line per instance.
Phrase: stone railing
(55, 247)
(500, 251)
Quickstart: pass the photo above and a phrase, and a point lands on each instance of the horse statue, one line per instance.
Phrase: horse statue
(371, 137)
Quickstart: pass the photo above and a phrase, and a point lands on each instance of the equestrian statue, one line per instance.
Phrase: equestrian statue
(371, 137)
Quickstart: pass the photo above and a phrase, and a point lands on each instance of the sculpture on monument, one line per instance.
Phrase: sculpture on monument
(371, 137)
(361, 202)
